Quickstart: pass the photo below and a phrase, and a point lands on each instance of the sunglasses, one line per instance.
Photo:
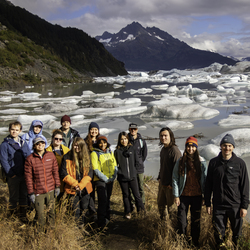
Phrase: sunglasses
(58, 139)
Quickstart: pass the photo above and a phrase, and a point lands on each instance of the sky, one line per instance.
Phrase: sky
(222, 26)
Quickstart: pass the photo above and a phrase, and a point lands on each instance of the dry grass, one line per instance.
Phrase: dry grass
(151, 233)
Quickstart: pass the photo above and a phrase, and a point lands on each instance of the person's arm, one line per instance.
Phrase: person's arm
(97, 167)
(208, 188)
(65, 175)
(244, 188)
(4, 154)
(55, 171)
(144, 151)
(28, 174)
(175, 183)
(116, 169)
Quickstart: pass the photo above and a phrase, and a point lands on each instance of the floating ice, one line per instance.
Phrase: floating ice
(209, 151)
(87, 94)
(13, 111)
(235, 121)
(174, 125)
(116, 102)
(27, 119)
(5, 99)
(56, 108)
(222, 90)
(7, 92)
(25, 104)
(201, 98)
(172, 89)
(192, 111)
(160, 87)
(89, 111)
(123, 111)
(170, 100)
(106, 131)
(4, 130)
(29, 95)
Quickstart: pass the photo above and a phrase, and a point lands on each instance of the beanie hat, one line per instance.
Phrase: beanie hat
(93, 125)
(191, 141)
(65, 118)
(101, 137)
(228, 138)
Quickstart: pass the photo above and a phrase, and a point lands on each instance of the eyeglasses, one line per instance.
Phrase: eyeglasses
(58, 139)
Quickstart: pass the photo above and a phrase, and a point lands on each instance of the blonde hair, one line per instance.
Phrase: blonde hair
(81, 159)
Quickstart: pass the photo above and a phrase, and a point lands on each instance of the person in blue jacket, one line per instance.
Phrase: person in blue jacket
(13, 152)
(36, 129)
(188, 183)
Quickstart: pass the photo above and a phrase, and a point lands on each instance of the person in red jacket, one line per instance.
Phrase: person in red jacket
(42, 180)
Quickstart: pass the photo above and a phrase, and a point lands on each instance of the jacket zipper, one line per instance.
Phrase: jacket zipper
(128, 168)
(44, 175)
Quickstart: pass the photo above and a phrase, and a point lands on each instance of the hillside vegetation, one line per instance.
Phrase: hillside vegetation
(33, 50)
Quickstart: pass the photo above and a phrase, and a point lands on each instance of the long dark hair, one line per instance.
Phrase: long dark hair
(119, 145)
(172, 139)
(81, 160)
(89, 141)
(184, 162)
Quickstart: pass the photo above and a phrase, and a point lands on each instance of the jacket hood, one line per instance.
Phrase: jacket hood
(31, 130)
(10, 140)
(108, 151)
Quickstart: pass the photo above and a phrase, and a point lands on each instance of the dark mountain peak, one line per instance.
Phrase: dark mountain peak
(6, 2)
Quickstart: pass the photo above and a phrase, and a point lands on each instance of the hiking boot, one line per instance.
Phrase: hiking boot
(128, 216)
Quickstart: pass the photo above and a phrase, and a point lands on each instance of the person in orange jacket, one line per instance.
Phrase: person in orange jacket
(76, 172)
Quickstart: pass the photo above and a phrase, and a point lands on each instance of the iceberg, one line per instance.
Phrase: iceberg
(235, 121)
(174, 125)
(27, 119)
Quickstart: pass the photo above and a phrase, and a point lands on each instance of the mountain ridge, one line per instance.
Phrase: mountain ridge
(151, 49)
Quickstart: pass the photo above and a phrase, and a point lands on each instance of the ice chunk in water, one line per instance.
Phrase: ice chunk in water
(29, 95)
(27, 119)
(209, 151)
(174, 124)
(235, 121)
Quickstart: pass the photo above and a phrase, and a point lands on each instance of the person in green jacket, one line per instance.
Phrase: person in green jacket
(105, 170)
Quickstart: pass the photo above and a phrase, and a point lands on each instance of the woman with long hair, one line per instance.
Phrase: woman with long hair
(127, 161)
(59, 151)
(92, 135)
(77, 173)
(189, 177)
(105, 169)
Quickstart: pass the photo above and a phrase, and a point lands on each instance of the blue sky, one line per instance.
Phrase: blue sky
(222, 26)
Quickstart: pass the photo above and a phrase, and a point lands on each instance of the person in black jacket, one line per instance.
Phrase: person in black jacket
(127, 161)
(141, 150)
(227, 179)
(69, 134)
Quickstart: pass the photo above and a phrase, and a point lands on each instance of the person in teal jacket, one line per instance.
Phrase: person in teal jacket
(188, 182)
(105, 170)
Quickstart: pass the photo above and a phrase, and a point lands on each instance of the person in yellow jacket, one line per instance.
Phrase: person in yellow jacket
(105, 170)
(77, 173)
(59, 151)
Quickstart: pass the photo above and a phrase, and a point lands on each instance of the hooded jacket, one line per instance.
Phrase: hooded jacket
(12, 156)
(71, 178)
(141, 150)
(179, 181)
(41, 173)
(28, 137)
(104, 165)
(127, 162)
(228, 181)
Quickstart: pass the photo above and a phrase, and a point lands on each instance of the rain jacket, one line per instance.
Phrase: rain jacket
(179, 181)
(71, 178)
(28, 137)
(12, 156)
(104, 165)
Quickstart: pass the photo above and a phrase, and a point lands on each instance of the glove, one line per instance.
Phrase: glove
(32, 198)
(57, 191)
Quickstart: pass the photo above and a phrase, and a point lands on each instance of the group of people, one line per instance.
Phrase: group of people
(185, 180)
(40, 174)
(79, 167)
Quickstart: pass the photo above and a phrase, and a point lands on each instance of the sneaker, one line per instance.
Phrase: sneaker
(128, 216)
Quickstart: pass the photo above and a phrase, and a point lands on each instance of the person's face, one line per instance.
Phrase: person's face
(165, 138)
(57, 140)
(227, 150)
(15, 131)
(102, 144)
(191, 149)
(124, 141)
(94, 132)
(133, 131)
(76, 147)
(39, 147)
(65, 125)
(37, 129)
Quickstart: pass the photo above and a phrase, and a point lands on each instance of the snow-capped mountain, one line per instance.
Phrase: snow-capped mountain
(151, 49)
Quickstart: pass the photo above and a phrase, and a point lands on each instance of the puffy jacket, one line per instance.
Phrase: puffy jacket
(179, 181)
(28, 137)
(104, 165)
(65, 150)
(41, 173)
(228, 181)
(73, 135)
(127, 162)
(69, 175)
(141, 149)
(13, 156)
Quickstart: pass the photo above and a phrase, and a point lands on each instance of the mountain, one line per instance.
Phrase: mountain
(151, 49)
(76, 48)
